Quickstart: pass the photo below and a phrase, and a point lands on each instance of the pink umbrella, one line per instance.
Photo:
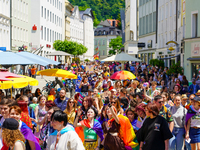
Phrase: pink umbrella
(4, 79)
(9, 75)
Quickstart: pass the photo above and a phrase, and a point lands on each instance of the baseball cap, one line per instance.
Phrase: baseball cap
(10, 124)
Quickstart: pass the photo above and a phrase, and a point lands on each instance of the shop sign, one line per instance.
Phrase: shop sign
(195, 49)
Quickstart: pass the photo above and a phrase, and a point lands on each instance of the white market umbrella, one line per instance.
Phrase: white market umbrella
(122, 57)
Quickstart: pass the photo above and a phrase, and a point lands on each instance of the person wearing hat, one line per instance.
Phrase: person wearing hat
(193, 88)
(184, 100)
(113, 92)
(11, 136)
(198, 93)
(193, 124)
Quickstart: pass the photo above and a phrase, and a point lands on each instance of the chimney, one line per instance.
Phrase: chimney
(113, 23)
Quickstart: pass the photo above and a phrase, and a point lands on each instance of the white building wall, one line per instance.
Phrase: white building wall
(20, 24)
(48, 16)
(167, 25)
(133, 18)
(5, 24)
(76, 28)
(88, 37)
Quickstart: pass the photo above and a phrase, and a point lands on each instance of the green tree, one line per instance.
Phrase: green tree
(157, 62)
(175, 69)
(70, 47)
(116, 45)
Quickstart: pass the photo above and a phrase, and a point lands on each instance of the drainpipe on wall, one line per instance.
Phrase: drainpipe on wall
(176, 30)
(10, 24)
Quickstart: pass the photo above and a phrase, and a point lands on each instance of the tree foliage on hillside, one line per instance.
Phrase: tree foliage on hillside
(102, 9)
(70, 47)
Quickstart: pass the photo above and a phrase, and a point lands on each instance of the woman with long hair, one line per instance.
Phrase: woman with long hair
(178, 114)
(167, 103)
(109, 85)
(70, 110)
(40, 112)
(11, 135)
(15, 113)
(118, 133)
(92, 130)
(115, 102)
(37, 92)
(24, 114)
(118, 84)
(132, 116)
(134, 85)
(86, 103)
(84, 85)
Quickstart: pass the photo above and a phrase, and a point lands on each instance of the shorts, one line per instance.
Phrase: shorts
(194, 135)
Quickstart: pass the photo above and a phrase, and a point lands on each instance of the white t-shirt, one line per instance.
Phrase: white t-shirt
(68, 141)
(143, 67)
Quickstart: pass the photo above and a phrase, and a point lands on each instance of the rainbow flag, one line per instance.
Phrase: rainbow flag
(97, 48)
(74, 65)
(127, 133)
(96, 127)
(96, 56)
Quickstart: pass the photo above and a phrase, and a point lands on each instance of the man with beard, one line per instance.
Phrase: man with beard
(61, 101)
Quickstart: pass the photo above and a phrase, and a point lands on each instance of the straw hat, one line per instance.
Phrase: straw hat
(198, 92)
(184, 96)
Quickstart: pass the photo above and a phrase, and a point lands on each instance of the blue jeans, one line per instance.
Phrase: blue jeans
(176, 142)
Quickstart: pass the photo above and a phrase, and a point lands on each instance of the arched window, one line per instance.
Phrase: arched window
(99, 33)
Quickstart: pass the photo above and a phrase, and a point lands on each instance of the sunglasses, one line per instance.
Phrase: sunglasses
(85, 101)
(71, 102)
(161, 102)
(113, 102)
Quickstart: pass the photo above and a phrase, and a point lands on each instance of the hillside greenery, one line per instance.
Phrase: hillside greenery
(102, 9)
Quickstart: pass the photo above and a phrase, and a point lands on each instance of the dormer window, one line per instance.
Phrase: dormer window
(111, 32)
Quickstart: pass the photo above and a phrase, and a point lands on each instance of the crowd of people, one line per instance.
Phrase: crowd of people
(154, 111)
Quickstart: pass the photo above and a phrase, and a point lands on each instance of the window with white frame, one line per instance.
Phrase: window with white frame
(47, 34)
(44, 33)
(50, 16)
(170, 9)
(45, 13)
(53, 18)
(52, 36)
(42, 11)
(194, 25)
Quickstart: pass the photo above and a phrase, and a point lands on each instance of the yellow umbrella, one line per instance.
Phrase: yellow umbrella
(18, 82)
(57, 73)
